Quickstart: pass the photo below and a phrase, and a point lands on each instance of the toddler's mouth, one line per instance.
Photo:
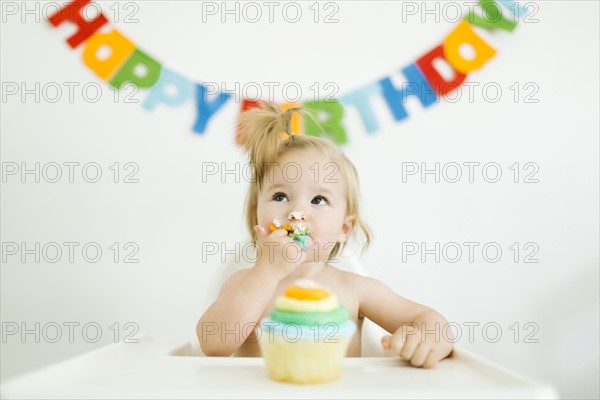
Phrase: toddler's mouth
(296, 229)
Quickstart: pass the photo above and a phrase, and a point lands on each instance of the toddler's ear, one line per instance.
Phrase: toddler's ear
(347, 228)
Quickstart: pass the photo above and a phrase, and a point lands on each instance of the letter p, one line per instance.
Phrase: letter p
(9, 89)
(409, 168)
(408, 8)
(9, 329)
(9, 168)
(209, 249)
(9, 249)
(409, 249)
(209, 8)
(171, 89)
(209, 328)
(209, 168)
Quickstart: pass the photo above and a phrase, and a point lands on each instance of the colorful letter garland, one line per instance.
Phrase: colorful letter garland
(127, 63)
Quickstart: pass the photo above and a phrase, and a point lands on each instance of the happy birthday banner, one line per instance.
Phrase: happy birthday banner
(127, 63)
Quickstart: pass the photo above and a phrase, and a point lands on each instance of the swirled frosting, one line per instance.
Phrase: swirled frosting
(306, 303)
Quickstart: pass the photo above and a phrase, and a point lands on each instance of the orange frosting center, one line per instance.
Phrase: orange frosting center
(301, 293)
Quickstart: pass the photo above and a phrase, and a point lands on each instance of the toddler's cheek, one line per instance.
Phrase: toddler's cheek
(265, 222)
(322, 237)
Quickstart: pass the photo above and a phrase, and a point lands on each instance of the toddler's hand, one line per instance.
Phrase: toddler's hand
(420, 350)
(278, 252)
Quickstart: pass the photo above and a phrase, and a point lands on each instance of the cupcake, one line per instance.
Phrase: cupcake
(306, 335)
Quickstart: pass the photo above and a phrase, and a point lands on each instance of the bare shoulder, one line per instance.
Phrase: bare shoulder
(354, 280)
(357, 284)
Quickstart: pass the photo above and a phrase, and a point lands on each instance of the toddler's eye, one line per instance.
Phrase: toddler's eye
(319, 200)
(279, 196)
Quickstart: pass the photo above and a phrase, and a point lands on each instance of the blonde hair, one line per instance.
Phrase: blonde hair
(263, 130)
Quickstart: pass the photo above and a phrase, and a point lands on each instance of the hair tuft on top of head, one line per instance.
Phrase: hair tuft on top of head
(262, 130)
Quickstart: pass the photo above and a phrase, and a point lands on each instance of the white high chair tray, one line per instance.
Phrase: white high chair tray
(155, 368)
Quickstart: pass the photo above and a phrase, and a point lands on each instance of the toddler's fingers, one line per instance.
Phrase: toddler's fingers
(397, 342)
(260, 231)
(386, 342)
(408, 350)
(432, 359)
(404, 343)
(420, 355)
(279, 233)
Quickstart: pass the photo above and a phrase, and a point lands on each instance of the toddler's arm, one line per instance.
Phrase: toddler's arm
(419, 333)
(244, 297)
(241, 301)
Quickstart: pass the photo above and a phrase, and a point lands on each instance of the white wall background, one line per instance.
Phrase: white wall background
(171, 212)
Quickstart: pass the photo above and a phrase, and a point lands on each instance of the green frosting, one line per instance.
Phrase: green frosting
(337, 316)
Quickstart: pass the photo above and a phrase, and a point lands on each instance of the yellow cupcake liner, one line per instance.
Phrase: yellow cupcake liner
(303, 361)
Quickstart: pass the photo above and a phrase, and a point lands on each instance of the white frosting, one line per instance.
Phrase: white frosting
(306, 283)
(296, 215)
(298, 227)
(326, 304)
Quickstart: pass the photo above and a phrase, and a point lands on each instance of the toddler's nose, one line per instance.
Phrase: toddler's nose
(296, 216)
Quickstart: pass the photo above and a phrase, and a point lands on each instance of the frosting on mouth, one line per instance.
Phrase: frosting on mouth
(296, 229)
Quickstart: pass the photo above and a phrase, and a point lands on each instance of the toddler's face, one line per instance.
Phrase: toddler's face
(307, 181)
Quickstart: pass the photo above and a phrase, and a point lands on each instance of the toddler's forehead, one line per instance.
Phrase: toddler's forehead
(320, 172)
(305, 156)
